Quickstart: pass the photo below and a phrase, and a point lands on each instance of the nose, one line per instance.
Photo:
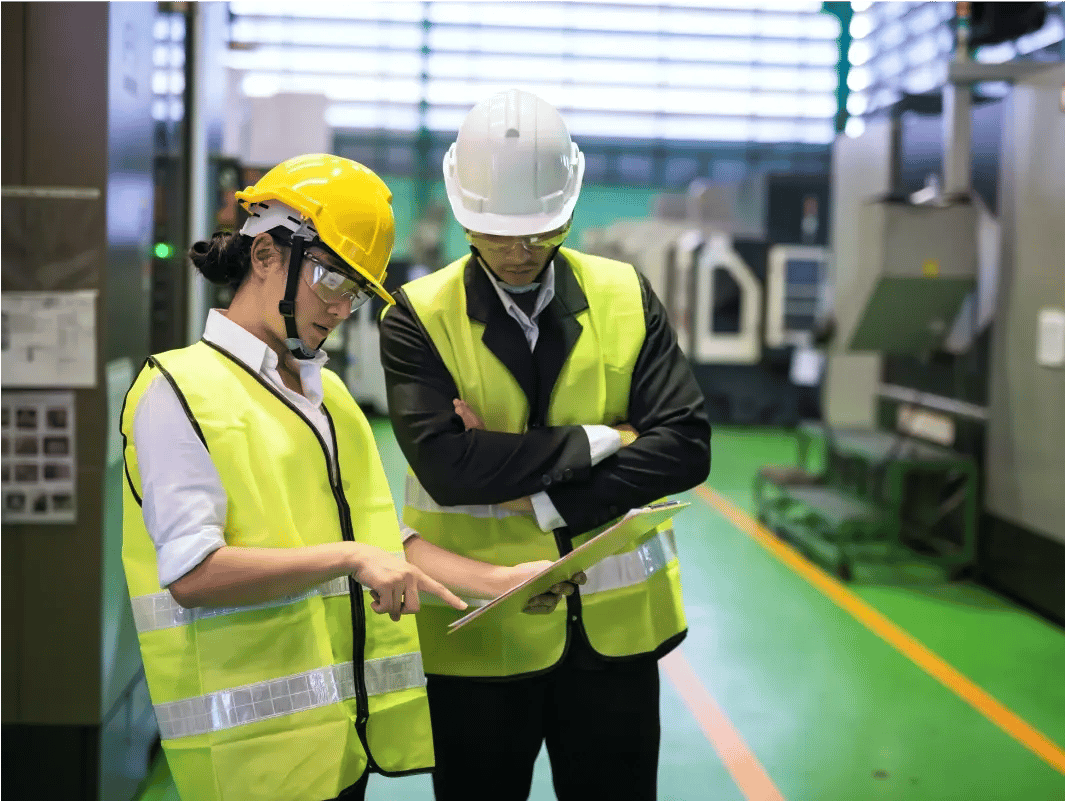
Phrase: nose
(516, 247)
(341, 309)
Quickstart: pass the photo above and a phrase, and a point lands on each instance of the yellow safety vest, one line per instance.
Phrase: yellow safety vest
(632, 603)
(296, 698)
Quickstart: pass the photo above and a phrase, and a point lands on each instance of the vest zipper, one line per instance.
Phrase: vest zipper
(358, 613)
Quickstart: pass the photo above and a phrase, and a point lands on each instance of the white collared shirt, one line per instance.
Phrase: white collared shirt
(184, 503)
(603, 441)
(530, 325)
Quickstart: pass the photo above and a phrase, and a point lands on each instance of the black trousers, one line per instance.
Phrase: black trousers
(600, 721)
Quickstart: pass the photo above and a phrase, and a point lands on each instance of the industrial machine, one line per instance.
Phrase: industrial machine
(741, 308)
(945, 383)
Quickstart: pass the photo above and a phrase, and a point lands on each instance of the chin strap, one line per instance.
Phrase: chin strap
(287, 307)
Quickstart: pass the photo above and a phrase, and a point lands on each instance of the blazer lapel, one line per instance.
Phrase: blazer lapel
(559, 330)
(502, 334)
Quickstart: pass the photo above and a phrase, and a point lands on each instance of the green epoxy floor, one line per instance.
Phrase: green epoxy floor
(831, 711)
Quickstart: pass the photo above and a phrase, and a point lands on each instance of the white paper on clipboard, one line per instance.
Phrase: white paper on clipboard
(606, 543)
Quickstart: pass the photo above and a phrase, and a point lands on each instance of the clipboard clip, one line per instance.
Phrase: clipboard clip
(663, 504)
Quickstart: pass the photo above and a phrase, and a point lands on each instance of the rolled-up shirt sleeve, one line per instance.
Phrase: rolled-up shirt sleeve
(183, 501)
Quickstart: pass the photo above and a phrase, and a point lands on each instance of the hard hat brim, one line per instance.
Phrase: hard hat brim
(509, 225)
(249, 198)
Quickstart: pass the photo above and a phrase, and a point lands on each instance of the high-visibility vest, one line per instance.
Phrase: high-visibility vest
(632, 602)
(295, 698)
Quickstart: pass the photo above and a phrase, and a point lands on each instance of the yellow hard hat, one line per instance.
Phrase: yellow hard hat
(340, 202)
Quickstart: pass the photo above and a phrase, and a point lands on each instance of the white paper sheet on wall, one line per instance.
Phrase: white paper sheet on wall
(49, 339)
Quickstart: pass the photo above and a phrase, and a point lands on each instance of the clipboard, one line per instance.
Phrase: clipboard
(607, 543)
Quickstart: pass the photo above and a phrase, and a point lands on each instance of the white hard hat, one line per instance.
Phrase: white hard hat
(513, 169)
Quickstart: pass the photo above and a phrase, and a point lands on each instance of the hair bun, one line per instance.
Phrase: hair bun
(223, 260)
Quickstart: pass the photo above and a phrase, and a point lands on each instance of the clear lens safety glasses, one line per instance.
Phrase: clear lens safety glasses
(333, 287)
(546, 240)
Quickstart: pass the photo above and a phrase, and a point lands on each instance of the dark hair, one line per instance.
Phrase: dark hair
(226, 259)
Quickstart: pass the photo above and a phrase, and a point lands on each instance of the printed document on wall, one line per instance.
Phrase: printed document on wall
(49, 339)
(40, 466)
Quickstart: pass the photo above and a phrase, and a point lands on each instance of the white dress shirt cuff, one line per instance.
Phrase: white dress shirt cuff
(603, 441)
(406, 532)
(547, 516)
(177, 556)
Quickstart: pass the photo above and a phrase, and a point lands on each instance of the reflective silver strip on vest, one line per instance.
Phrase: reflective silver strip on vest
(417, 498)
(613, 572)
(227, 709)
(160, 611)
(632, 568)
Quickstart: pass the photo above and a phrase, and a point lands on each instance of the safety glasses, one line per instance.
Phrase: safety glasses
(334, 287)
(550, 239)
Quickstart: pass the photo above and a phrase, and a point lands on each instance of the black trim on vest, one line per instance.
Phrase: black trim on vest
(125, 443)
(358, 610)
(355, 593)
(568, 290)
(559, 332)
(273, 391)
(285, 401)
(181, 399)
(664, 648)
(396, 774)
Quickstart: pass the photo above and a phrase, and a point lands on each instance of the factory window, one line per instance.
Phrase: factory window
(905, 48)
(685, 76)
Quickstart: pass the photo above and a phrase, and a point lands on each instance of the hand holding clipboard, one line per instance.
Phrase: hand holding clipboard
(604, 544)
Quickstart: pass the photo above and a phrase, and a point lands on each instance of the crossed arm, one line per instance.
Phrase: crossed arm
(459, 465)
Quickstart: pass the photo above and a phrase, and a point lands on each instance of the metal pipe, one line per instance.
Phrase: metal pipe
(196, 148)
(957, 117)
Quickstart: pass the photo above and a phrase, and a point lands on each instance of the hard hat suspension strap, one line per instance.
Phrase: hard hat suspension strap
(287, 307)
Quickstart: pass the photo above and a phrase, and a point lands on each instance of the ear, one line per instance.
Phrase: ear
(265, 255)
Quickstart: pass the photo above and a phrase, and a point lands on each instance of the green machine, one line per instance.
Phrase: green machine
(888, 496)
(911, 272)
(878, 496)
(904, 266)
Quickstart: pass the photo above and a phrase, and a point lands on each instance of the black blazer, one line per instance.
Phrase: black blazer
(459, 467)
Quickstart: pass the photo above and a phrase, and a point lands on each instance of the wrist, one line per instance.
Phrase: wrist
(627, 437)
(352, 557)
(499, 579)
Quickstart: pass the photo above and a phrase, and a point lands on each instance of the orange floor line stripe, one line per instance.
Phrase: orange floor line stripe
(737, 758)
(898, 638)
